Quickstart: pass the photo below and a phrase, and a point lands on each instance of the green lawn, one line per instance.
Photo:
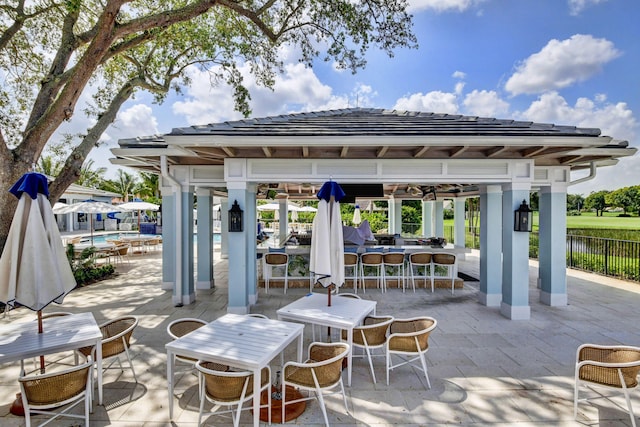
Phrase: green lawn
(610, 221)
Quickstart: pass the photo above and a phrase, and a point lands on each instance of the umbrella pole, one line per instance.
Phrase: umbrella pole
(40, 329)
(138, 221)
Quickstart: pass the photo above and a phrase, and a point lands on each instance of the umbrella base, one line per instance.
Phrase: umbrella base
(16, 406)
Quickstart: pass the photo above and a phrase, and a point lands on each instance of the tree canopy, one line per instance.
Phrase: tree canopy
(54, 51)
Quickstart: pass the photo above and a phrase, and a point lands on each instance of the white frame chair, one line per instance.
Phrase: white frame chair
(116, 340)
(43, 392)
(417, 260)
(279, 259)
(409, 340)
(370, 336)
(448, 260)
(181, 327)
(352, 261)
(394, 260)
(207, 378)
(366, 260)
(316, 374)
(607, 366)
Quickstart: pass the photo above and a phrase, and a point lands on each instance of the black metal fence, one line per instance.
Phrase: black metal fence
(609, 257)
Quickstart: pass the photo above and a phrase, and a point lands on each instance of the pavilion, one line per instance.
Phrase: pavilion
(397, 155)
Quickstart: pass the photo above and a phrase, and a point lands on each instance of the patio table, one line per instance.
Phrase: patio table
(22, 341)
(344, 313)
(240, 341)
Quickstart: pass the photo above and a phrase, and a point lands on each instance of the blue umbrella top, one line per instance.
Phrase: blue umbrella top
(331, 188)
(31, 183)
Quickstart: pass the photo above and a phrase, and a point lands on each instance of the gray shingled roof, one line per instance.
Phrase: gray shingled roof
(380, 122)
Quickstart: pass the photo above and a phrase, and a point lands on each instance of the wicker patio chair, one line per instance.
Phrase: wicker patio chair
(116, 341)
(181, 327)
(322, 371)
(43, 392)
(228, 388)
(409, 340)
(370, 336)
(613, 367)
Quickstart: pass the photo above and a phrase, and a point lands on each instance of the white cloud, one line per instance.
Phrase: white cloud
(615, 120)
(577, 6)
(459, 75)
(297, 89)
(561, 63)
(435, 102)
(442, 5)
(485, 103)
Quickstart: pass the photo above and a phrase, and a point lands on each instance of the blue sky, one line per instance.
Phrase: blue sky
(572, 62)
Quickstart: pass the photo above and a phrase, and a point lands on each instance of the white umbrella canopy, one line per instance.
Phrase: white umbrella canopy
(34, 269)
(327, 245)
(139, 205)
(276, 207)
(88, 207)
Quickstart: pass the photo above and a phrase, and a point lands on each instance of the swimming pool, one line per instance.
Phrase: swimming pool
(102, 238)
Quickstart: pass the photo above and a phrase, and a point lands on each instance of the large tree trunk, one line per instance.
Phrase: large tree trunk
(9, 173)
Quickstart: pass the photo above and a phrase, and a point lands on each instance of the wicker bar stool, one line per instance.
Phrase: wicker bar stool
(421, 261)
(274, 260)
(448, 261)
(372, 260)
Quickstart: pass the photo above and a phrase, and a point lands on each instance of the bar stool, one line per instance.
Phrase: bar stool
(450, 262)
(275, 260)
(393, 260)
(351, 262)
(372, 260)
(418, 260)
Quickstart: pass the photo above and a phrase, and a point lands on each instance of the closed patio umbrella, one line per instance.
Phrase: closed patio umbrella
(356, 216)
(34, 269)
(327, 246)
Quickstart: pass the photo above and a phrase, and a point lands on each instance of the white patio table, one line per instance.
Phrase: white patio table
(21, 341)
(240, 341)
(344, 313)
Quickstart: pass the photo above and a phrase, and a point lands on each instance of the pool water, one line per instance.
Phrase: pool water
(102, 238)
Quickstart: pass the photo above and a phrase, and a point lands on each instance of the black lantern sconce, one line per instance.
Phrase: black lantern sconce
(523, 218)
(235, 217)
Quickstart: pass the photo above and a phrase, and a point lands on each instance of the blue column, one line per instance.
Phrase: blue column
(490, 246)
(205, 239)
(515, 250)
(439, 218)
(186, 256)
(168, 239)
(395, 216)
(238, 250)
(552, 245)
(251, 215)
(224, 228)
(458, 222)
(427, 219)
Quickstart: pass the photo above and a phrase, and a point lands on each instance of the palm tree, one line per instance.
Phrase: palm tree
(90, 177)
(149, 186)
(124, 184)
(50, 166)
